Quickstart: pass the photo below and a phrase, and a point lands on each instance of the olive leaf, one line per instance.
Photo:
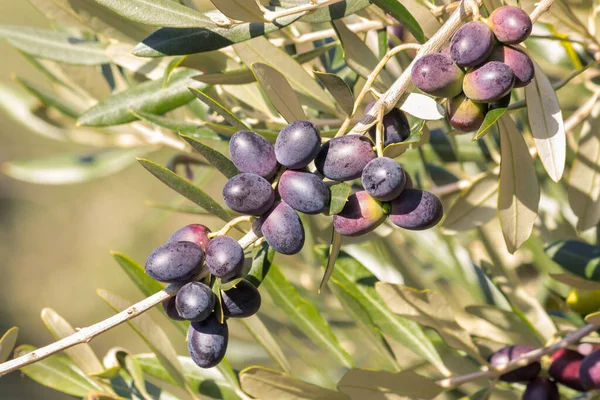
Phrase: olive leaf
(7, 343)
(216, 159)
(279, 91)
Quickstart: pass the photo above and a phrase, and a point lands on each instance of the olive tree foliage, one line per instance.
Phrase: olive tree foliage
(390, 315)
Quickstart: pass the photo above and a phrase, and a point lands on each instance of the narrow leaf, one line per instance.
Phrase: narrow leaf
(120, 54)
(423, 107)
(519, 187)
(279, 91)
(59, 373)
(82, 355)
(584, 178)
(304, 315)
(137, 274)
(402, 15)
(475, 205)
(165, 13)
(7, 343)
(262, 383)
(186, 189)
(48, 98)
(546, 122)
(57, 46)
(181, 41)
(263, 336)
(241, 10)
(216, 159)
(576, 282)
(334, 250)
(359, 57)
(495, 112)
(338, 89)
(262, 258)
(577, 257)
(148, 97)
(197, 131)
(263, 51)
(219, 109)
(61, 169)
(364, 384)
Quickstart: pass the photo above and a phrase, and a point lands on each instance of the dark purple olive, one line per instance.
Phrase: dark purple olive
(565, 368)
(242, 301)
(489, 82)
(518, 61)
(361, 215)
(304, 192)
(437, 75)
(170, 309)
(472, 44)
(541, 389)
(343, 158)
(195, 301)
(195, 233)
(175, 262)
(207, 341)
(252, 153)
(589, 371)
(282, 229)
(224, 257)
(416, 209)
(248, 194)
(383, 178)
(396, 128)
(511, 25)
(297, 144)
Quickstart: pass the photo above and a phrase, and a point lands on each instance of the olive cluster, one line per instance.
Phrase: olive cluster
(479, 68)
(387, 187)
(186, 258)
(576, 369)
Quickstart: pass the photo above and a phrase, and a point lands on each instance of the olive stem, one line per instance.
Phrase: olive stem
(326, 33)
(379, 135)
(524, 360)
(231, 224)
(540, 9)
(371, 79)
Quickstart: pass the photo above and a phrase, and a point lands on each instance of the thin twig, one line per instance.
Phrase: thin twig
(327, 33)
(542, 7)
(231, 224)
(271, 16)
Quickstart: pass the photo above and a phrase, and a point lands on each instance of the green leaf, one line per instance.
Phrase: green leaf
(475, 206)
(177, 41)
(579, 258)
(519, 195)
(339, 197)
(241, 10)
(61, 169)
(334, 250)
(90, 16)
(186, 189)
(174, 63)
(351, 276)
(263, 336)
(219, 109)
(137, 274)
(148, 97)
(263, 51)
(7, 343)
(57, 46)
(59, 373)
(338, 89)
(164, 13)
(365, 384)
(137, 375)
(244, 75)
(304, 315)
(47, 98)
(216, 159)
(359, 56)
(151, 334)
(209, 382)
(262, 258)
(279, 91)
(494, 113)
(196, 131)
(507, 322)
(266, 384)
(82, 355)
(402, 15)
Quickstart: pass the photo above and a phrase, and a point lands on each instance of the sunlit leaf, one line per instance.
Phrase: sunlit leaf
(164, 13)
(64, 169)
(359, 57)
(519, 187)
(546, 122)
(584, 178)
(576, 282)
(59, 373)
(334, 250)
(263, 336)
(263, 51)
(148, 97)
(216, 159)
(279, 91)
(181, 41)
(82, 355)
(262, 257)
(364, 384)
(7, 343)
(475, 205)
(186, 189)
(197, 131)
(120, 54)
(506, 321)
(423, 107)
(48, 98)
(219, 109)
(304, 315)
(339, 197)
(338, 89)
(494, 113)
(262, 383)
(56, 46)
(241, 10)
